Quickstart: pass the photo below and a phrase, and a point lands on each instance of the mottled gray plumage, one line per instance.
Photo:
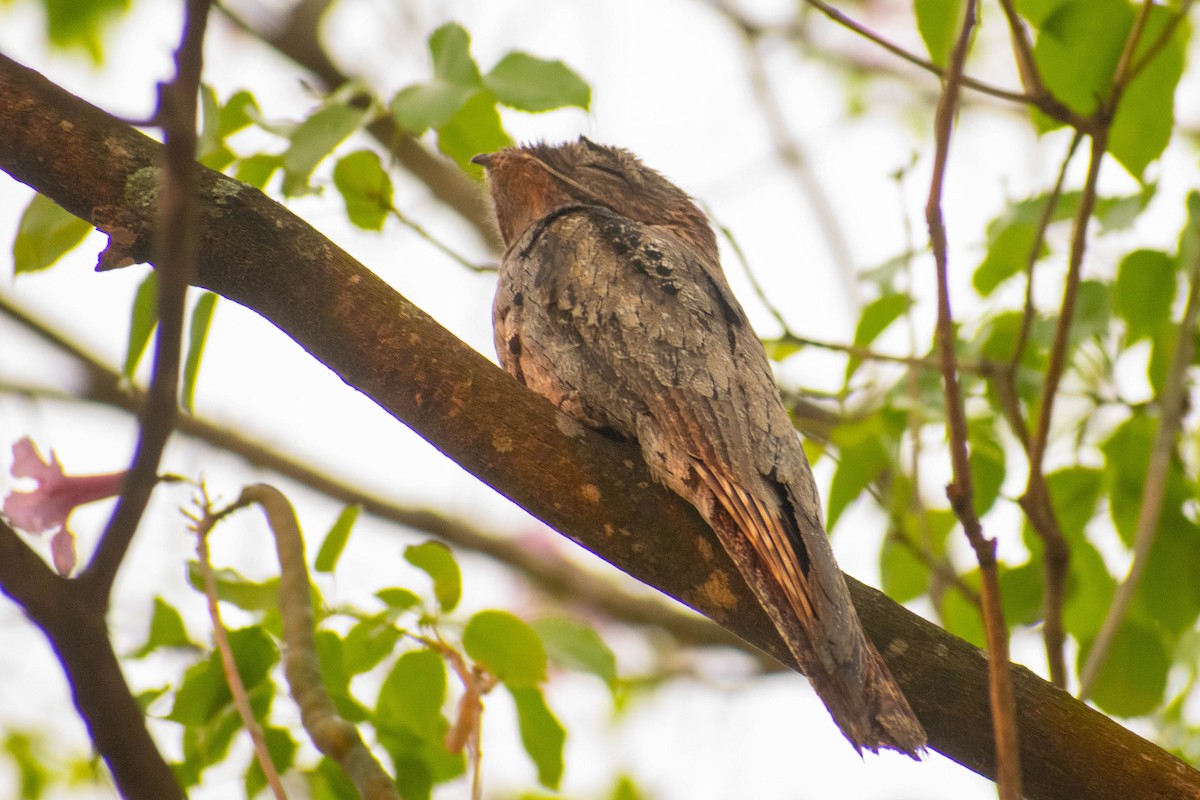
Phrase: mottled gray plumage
(613, 305)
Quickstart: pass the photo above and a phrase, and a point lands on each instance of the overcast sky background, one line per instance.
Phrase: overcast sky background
(669, 79)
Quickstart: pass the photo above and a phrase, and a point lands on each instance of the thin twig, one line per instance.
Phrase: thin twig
(1039, 509)
(960, 491)
(1028, 313)
(1031, 79)
(175, 255)
(790, 151)
(412, 225)
(1171, 409)
(1160, 41)
(755, 286)
(867, 354)
(1036, 498)
(202, 525)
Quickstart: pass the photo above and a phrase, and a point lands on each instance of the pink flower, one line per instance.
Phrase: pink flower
(56, 496)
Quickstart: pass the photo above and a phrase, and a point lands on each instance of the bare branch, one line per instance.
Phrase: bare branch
(960, 491)
(175, 246)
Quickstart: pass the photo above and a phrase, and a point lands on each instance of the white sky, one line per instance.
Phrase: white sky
(669, 82)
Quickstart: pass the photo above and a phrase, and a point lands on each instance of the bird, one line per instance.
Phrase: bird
(611, 303)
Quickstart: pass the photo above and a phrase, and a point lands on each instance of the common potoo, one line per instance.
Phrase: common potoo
(612, 304)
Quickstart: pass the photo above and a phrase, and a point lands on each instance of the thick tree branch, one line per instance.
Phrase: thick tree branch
(556, 577)
(257, 254)
(75, 628)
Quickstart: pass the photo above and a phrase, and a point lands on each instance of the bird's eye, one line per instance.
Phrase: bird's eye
(616, 173)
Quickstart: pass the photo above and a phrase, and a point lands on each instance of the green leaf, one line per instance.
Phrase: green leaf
(166, 630)
(1189, 237)
(237, 113)
(939, 22)
(232, 587)
(1021, 592)
(197, 336)
(1036, 11)
(1090, 589)
(1077, 49)
(143, 319)
(450, 46)
(28, 756)
(1169, 594)
(578, 646)
(987, 463)
(1134, 676)
(877, 316)
(862, 459)
(313, 140)
(436, 560)
(331, 653)
(282, 749)
(398, 598)
(418, 108)
(1074, 495)
(81, 23)
(1144, 292)
(204, 691)
(455, 80)
(329, 782)
(365, 187)
(1093, 311)
(474, 129)
(507, 647)
(410, 724)
(1127, 454)
(541, 733)
(210, 150)
(367, 644)
(335, 540)
(257, 169)
(905, 577)
(45, 234)
(1141, 128)
(534, 84)
(780, 349)
(960, 616)
(412, 695)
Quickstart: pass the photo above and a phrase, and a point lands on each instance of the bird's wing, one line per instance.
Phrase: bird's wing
(630, 329)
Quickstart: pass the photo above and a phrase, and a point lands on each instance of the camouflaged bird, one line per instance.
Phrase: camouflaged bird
(612, 304)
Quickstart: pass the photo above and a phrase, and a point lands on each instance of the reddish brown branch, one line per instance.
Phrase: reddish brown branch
(76, 628)
(960, 490)
(1038, 507)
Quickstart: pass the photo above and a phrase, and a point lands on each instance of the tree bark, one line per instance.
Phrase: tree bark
(256, 253)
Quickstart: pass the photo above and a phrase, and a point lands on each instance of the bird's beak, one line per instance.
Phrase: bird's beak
(484, 159)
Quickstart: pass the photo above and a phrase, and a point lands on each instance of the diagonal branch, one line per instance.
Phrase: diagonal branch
(960, 491)
(1171, 409)
(601, 495)
(557, 578)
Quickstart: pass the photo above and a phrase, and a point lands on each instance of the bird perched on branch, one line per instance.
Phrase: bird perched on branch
(612, 304)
